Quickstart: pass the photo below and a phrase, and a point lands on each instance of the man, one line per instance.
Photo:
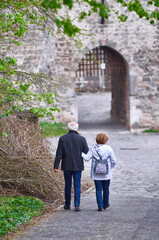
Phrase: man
(69, 150)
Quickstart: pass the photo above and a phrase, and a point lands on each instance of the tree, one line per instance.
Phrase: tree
(16, 87)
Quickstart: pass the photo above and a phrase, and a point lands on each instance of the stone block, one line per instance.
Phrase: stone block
(92, 78)
(132, 85)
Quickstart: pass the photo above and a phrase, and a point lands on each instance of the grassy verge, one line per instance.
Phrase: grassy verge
(15, 211)
(53, 129)
(151, 130)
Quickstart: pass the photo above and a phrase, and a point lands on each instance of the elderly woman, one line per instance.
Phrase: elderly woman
(103, 154)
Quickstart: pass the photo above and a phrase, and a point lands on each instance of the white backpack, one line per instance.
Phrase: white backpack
(101, 166)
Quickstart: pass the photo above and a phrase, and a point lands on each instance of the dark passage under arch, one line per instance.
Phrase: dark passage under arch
(104, 69)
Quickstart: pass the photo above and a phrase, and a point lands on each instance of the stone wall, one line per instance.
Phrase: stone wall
(136, 41)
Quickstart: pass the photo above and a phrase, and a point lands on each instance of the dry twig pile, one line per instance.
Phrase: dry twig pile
(26, 166)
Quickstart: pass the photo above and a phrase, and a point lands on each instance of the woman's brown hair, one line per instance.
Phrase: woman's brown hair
(101, 138)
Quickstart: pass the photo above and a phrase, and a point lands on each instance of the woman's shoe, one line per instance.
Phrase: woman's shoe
(100, 209)
(107, 206)
(77, 209)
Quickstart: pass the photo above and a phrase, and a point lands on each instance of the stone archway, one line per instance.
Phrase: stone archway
(104, 69)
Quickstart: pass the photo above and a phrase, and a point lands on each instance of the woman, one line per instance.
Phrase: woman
(101, 151)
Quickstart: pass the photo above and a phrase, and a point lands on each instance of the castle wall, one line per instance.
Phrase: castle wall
(136, 41)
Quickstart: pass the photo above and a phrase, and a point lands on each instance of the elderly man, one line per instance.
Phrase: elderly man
(69, 150)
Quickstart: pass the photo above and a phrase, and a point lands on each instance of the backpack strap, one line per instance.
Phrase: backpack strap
(101, 157)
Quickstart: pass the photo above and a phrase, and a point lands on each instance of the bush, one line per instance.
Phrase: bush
(25, 162)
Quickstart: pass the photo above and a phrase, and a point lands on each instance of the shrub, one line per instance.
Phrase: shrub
(25, 162)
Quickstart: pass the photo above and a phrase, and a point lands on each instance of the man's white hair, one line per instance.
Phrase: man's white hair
(73, 126)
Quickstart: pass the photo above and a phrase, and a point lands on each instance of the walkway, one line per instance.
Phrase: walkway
(134, 190)
(134, 198)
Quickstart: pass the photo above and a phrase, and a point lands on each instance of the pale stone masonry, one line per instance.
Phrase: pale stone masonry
(132, 67)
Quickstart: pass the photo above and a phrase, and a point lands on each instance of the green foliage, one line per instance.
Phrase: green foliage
(68, 27)
(16, 91)
(136, 6)
(38, 11)
(104, 10)
(4, 134)
(56, 4)
(151, 130)
(123, 18)
(156, 3)
(12, 22)
(20, 90)
(53, 129)
(68, 3)
(82, 15)
(15, 211)
(51, 4)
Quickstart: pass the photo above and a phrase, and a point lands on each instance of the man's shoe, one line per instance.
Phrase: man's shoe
(107, 206)
(77, 208)
(100, 209)
(66, 207)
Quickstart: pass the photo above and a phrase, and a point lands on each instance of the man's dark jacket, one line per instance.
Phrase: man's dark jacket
(69, 150)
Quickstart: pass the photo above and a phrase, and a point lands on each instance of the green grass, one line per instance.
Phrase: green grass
(53, 129)
(15, 211)
(151, 130)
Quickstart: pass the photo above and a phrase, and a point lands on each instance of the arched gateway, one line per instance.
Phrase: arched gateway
(104, 69)
(126, 63)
